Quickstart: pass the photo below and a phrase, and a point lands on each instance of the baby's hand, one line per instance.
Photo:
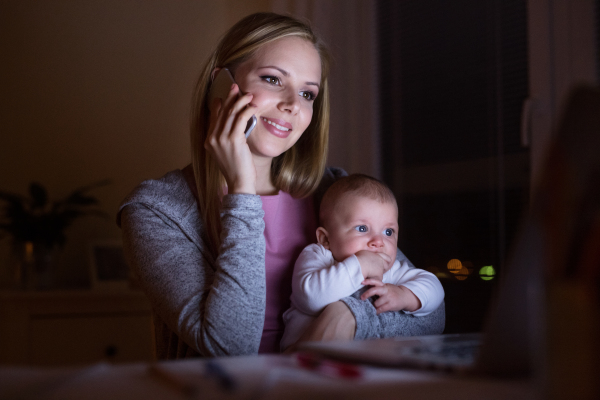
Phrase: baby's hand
(391, 297)
(372, 264)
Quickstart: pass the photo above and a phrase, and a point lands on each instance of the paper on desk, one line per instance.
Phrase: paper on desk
(384, 384)
(257, 378)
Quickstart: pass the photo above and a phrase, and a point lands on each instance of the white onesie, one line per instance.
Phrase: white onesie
(319, 280)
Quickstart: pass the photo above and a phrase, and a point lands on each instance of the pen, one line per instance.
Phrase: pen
(216, 371)
(327, 367)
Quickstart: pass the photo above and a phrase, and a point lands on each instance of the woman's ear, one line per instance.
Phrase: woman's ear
(323, 237)
(214, 73)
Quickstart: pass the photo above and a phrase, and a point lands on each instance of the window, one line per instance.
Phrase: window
(453, 81)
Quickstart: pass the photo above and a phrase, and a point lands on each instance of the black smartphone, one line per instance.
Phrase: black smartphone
(220, 89)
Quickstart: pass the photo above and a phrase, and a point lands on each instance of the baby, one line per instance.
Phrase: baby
(357, 247)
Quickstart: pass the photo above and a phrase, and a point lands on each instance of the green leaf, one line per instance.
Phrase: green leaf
(39, 195)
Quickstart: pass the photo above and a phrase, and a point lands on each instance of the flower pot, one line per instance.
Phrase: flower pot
(34, 265)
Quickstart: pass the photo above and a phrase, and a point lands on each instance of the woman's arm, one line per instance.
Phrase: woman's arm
(370, 325)
(215, 306)
(356, 319)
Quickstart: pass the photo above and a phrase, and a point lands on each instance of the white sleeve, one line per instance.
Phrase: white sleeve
(423, 284)
(319, 280)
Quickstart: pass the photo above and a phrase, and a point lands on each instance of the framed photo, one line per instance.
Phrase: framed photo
(108, 268)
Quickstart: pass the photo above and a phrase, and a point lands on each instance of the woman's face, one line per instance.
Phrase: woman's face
(284, 78)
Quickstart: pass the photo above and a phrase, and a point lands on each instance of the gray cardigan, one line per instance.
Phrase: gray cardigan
(214, 307)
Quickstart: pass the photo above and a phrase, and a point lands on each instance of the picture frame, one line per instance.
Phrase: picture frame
(108, 267)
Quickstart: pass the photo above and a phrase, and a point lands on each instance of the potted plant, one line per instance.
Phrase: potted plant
(37, 227)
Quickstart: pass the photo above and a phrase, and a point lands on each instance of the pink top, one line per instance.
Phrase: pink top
(290, 225)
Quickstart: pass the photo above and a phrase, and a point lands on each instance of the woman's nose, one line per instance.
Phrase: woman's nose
(290, 102)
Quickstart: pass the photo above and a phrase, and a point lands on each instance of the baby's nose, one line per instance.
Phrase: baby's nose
(376, 241)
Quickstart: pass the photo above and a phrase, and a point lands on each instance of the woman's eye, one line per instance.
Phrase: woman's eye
(308, 95)
(361, 228)
(273, 80)
(388, 232)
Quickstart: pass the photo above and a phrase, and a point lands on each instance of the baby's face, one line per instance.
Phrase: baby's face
(360, 223)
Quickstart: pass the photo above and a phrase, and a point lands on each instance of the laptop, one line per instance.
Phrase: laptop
(563, 217)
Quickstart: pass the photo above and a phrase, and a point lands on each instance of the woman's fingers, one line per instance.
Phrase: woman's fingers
(226, 141)
(237, 109)
(223, 114)
(240, 121)
(226, 112)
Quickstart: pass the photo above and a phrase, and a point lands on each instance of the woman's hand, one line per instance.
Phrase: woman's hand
(226, 141)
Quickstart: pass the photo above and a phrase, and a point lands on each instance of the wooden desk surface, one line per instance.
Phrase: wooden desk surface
(254, 377)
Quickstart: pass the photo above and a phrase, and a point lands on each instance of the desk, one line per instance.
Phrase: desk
(256, 377)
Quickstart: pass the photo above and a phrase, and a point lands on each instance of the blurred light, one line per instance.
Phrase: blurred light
(455, 266)
(469, 266)
(462, 274)
(442, 275)
(487, 273)
(28, 252)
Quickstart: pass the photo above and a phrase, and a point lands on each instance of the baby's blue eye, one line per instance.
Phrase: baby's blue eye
(388, 232)
(361, 228)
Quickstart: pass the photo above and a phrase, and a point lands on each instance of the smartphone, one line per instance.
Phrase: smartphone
(220, 88)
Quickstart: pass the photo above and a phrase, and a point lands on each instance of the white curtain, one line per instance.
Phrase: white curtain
(349, 29)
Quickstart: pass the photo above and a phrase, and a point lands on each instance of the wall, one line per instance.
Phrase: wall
(100, 89)
(349, 29)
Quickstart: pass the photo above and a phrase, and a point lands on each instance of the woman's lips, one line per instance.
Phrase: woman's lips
(277, 127)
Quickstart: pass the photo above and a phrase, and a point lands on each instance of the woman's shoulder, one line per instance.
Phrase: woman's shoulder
(330, 175)
(170, 194)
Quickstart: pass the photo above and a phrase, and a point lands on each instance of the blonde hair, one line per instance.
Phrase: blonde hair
(358, 185)
(297, 171)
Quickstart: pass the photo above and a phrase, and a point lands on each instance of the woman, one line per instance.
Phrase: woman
(214, 245)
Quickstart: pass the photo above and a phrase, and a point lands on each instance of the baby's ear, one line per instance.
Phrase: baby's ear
(323, 237)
